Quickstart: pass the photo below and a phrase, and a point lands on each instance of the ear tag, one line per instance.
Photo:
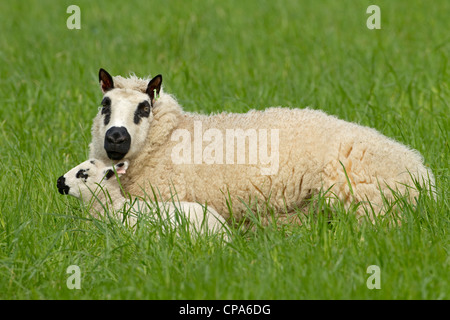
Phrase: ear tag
(155, 95)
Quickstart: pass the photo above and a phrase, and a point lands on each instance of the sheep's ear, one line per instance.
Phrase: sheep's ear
(106, 81)
(154, 86)
(109, 173)
(121, 168)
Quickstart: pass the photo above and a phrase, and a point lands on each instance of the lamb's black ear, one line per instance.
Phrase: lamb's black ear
(106, 81)
(154, 86)
(119, 168)
(109, 174)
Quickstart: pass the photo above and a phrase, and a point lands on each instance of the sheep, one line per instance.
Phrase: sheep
(194, 155)
(95, 183)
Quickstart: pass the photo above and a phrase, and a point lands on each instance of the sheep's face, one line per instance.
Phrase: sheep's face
(84, 179)
(124, 119)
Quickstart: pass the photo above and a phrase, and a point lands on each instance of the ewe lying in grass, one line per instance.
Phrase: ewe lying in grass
(96, 184)
(236, 161)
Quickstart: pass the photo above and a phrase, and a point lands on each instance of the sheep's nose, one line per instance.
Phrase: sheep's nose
(115, 138)
(61, 185)
(117, 135)
(117, 142)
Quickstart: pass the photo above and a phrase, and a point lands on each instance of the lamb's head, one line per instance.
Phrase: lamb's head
(123, 121)
(85, 178)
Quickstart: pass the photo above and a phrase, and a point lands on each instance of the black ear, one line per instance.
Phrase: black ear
(106, 81)
(109, 174)
(154, 86)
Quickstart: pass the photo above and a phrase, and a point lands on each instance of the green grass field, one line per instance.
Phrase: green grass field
(214, 56)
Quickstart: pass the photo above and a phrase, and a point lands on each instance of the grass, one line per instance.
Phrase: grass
(234, 56)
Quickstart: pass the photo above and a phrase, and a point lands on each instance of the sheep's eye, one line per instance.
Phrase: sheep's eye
(106, 109)
(106, 102)
(142, 111)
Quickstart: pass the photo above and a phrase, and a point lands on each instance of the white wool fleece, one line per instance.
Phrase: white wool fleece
(315, 151)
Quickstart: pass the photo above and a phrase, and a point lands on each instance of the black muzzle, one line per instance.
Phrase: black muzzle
(117, 143)
(61, 185)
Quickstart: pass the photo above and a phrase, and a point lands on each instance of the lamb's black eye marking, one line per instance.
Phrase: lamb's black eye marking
(142, 110)
(106, 109)
(82, 174)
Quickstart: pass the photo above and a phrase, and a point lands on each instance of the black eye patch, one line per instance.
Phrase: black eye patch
(142, 111)
(106, 109)
(82, 174)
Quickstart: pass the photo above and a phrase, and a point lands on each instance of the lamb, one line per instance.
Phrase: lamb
(94, 182)
(229, 160)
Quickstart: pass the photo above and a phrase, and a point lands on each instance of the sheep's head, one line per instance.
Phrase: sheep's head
(84, 179)
(123, 122)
